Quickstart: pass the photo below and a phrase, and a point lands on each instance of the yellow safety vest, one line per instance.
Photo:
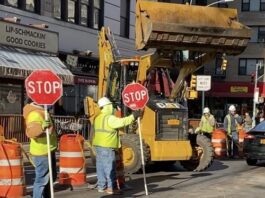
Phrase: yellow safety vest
(104, 135)
(206, 127)
(38, 146)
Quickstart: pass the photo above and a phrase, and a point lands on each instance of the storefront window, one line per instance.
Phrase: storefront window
(10, 99)
(57, 9)
(30, 5)
(12, 3)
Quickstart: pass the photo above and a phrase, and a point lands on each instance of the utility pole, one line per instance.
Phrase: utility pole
(256, 93)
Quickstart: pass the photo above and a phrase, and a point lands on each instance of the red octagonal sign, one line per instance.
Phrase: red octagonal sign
(44, 87)
(135, 96)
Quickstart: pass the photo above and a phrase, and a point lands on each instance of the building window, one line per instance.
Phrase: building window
(262, 5)
(258, 34)
(30, 5)
(13, 3)
(57, 9)
(253, 5)
(218, 64)
(125, 19)
(71, 11)
(97, 21)
(247, 66)
(245, 5)
(84, 12)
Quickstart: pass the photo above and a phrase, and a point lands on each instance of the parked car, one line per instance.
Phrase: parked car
(254, 144)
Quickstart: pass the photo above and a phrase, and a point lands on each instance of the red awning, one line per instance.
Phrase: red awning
(234, 89)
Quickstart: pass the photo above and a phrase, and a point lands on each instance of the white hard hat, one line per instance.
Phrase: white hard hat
(103, 101)
(206, 110)
(232, 108)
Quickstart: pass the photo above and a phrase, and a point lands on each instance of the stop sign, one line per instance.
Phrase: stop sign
(135, 96)
(44, 87)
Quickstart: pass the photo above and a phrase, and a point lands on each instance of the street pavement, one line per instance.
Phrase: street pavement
(224, 179)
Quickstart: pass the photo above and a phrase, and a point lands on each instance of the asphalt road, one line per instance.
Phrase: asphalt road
(227, 178)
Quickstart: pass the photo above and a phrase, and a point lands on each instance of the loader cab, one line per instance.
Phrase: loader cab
(121, 73)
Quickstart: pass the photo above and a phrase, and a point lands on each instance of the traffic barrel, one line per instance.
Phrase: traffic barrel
(72, 160)
(242, 134)
(219, 141)
(12, 172)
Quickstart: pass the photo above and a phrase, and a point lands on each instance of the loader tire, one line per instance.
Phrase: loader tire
(132, 153)
(202, 154)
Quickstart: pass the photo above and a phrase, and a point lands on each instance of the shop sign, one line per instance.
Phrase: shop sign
(72, 60)
(238, 89)
(22, 36)
(85, 80)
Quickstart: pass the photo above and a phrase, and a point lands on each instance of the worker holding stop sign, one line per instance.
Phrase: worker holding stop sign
(135, 96)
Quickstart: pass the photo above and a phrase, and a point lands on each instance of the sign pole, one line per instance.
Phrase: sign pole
(142, 155)
(203, 100)
(49, 153)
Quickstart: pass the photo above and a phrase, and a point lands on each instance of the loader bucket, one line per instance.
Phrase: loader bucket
(189, 27)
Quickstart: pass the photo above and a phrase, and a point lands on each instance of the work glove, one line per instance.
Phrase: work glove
(46, 124)
(137, 114)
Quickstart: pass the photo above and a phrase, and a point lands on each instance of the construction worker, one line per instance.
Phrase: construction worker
(207, 123)
(36, 125)
(231, 123)
(106, 140)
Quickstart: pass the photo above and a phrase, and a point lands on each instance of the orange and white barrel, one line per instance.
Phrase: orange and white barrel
(11, 170)
(72, 161)
(219, 138)
(119, 169)
(241, 135)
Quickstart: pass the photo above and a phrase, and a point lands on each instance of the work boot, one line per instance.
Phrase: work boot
(113, 191)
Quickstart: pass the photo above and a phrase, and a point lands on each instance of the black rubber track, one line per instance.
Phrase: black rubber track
(206, 158)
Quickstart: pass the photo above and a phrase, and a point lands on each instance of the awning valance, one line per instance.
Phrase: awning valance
(19, 63)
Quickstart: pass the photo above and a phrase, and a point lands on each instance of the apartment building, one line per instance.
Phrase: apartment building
(73, 26)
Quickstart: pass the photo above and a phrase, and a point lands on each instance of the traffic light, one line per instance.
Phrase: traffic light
(193, 82)
(224, 65)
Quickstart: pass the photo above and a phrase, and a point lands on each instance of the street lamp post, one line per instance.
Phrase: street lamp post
(256, 92)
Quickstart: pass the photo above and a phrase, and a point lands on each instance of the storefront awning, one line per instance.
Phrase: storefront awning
(19, 63)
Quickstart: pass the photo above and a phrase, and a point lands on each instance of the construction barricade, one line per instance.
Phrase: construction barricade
(11, 170)
(219, 141)
(72, 160)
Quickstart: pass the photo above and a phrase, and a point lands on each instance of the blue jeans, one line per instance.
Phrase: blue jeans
(234, 142)
(41, 187)
(106, 167)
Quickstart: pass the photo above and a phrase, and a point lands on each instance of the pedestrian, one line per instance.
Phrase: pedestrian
(207, 123)
(247, 122)
(231, 123)
(36, 125)
(106, 141)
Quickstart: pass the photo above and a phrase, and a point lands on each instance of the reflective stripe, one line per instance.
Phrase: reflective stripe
(15, 162)
(218, 140)
(11, 181)
(241, 140)
(71, 154)
(105, 131)
(71, 170)
(219, 150)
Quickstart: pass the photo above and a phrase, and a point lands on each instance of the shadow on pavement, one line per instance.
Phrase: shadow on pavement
(217, 165)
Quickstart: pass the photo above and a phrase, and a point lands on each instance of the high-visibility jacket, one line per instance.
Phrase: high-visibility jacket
(105, 136)
(38, 145)
(106, 127)
(207, 124)
(232, 123)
